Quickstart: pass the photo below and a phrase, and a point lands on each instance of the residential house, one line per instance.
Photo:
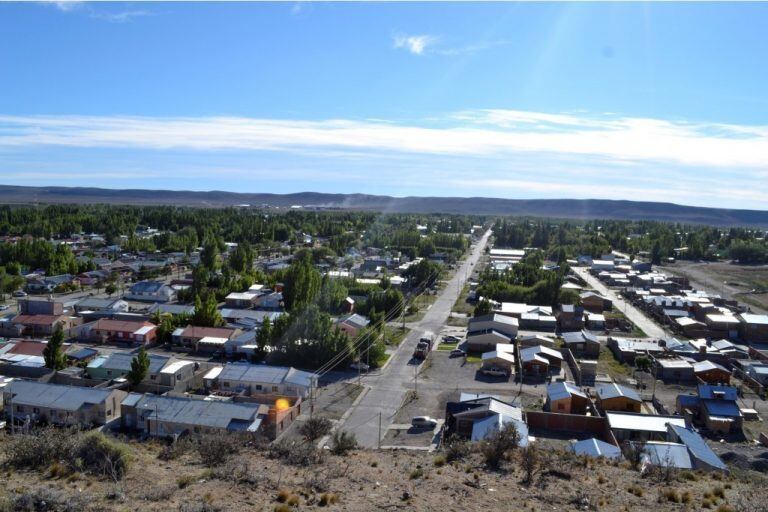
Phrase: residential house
(486, 340)
(570, 318)
(692, 328)
(48, 284)
(38, 306)
(245, 300)
(595, 302)
(352, 324)
(724, 325)
(701, 455)
(715, 407)
(476, 417)
(177, 372)
(151, 291)
(595, 321)
(615, 397)
(168, 416)
(711, 372)
(540, 361)
(626, 349)
(583, 343)
(39, 325)
(107, 330)
(627, 426)
(61, 405)
(496, 322)
(673, 369)
(93, 304)
(204, 339)
(753, 328)
(533, 340)
(566, 398)
(499, 360)
(257, 379)
(117, 365)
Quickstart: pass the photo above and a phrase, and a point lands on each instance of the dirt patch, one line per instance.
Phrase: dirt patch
(740, 282)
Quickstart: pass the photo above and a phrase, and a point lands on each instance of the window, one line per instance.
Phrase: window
(109, 372)
(274, 389)
(258, 387)
(19, 408)
(152, 377)
(225, 384)
(35, 410)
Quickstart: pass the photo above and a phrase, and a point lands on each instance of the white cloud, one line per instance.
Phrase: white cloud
(121, 16)
(484, 133)
(414, 44)
(65, 5)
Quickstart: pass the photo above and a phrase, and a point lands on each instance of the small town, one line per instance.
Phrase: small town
(398, 256)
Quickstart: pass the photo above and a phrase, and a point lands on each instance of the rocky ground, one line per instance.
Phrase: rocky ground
(255, 479)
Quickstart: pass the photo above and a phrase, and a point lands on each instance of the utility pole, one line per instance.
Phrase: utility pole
(379, 430)
(416, 380)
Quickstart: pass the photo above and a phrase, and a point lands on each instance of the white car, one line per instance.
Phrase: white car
(360, 366)
(457, 352)
(3, 307)
(495, 372)
(423, 422)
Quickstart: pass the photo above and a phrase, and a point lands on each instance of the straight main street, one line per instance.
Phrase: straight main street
(637, 317)
(376, 411)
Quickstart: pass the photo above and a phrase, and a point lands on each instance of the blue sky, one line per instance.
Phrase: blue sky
(640, 101)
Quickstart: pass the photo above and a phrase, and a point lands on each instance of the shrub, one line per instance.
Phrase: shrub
(439, 461)
(718, 492)
(456, 448)
(636, 490)
(315, 428)
(99, 454)
(295, 453)
(416, 474)
(47, 499)
(343, 442)
(531, 461)
(671, 495)
(185, 481)
(725, 508)
(176, 449)
(215, 449)
(496, 446)
(328, 499)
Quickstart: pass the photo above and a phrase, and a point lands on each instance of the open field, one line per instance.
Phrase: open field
(739, 282)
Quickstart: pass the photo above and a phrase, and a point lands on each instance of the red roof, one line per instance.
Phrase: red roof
(36, 319)
(194, 331)
(106, 324)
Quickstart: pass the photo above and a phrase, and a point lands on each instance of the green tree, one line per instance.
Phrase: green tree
(483, 307)
(209, 256)
(53, 353)
(206, 312)
(139, 368)
(110, 289)
(302, 283)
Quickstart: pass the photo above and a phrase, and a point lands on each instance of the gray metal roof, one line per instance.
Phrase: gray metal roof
(208, 413)
(122, 361)
(485, 427)
(70, 398)
(697, 447)
(259, 373)
(560, 390)
(596, 448)
(667, 455)
(613, 390)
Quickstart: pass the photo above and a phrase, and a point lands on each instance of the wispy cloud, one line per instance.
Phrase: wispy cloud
(471, 152)
(481, 133)
(99, 13)
(121, 16)
(415, 44)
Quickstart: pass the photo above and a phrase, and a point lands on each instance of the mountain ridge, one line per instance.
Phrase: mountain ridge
(559, 208)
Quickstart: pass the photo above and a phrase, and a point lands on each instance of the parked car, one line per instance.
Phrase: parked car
(19, 293)
(359, 366)
(423, 422)
(451, 339)
(3, 307)
(457, 352)
(495, 372)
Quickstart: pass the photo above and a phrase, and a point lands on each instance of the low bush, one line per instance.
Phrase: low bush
(343, 442)
(297, 454)
(315, 428)
(456, 448)
(328, 499)
(416, 474)
(439, 461)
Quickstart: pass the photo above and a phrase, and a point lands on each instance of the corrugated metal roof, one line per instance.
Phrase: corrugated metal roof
(642, 422)
(209, 413)
(596, 448)
(560, 390)
(482, 429)
(69, 398)
(259, 373)
(667, 455)
(122, 361)
(697, 447)
(613, 390)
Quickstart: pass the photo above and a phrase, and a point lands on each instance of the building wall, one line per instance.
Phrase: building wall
(620, 403)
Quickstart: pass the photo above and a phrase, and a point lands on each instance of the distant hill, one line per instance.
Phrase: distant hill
(561, 208)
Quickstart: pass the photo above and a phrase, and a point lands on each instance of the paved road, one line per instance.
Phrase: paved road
(387, 388)
(651, 328)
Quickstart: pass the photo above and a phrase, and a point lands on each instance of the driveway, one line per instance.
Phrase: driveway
(386, 390)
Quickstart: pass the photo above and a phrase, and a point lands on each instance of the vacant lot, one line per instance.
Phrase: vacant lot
(740, 282)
